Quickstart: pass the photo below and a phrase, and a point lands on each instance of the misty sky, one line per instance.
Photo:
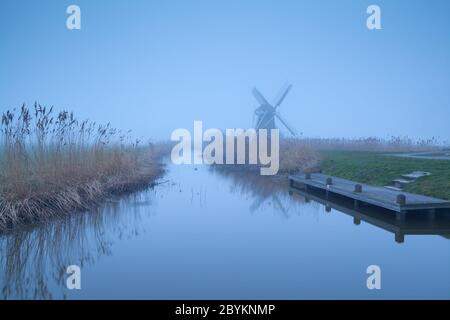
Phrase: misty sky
(154, 66)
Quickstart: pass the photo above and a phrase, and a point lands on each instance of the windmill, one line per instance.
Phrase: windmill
(266, 112)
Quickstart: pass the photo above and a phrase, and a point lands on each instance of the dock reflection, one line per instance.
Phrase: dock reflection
(273, 190)
(414, 224)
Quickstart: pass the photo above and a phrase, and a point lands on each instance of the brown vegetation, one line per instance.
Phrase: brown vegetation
(374, 144)
(54, 164)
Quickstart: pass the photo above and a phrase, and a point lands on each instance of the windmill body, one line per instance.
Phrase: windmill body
(266, 113)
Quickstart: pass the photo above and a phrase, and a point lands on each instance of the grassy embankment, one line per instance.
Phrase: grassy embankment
(53, 164)
(378, 169)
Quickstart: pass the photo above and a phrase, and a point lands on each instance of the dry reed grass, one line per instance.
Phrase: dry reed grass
(374, 144)
(53, 164)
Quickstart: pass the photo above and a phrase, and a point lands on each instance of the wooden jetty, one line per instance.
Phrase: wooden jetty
(400, 202)
(417, 225)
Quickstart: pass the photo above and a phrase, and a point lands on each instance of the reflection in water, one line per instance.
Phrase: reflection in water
(224, 234)
(263, 190)
(416, 223)
(274, 190)
(34, 259)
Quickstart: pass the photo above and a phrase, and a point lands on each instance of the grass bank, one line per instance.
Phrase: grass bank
(377, 169)
(53, 164)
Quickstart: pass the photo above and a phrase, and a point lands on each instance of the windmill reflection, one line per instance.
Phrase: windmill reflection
(33, 260)
(264, 190)
(275, 191)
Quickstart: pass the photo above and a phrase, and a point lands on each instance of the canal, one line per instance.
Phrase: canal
(209, 234)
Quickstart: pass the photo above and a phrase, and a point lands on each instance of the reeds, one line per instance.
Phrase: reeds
(52, 163)
(297, 156)
(375, 144)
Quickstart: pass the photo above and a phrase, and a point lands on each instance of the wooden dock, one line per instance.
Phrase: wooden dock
(400, 202)
(416, 225)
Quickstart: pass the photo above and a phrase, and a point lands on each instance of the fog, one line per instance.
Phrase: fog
(155, 66)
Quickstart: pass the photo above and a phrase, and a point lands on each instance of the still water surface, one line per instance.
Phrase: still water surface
(202, 234)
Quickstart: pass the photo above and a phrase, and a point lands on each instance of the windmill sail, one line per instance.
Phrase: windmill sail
(262, 101)
(283, 95)
(285, 124)
(266, 113)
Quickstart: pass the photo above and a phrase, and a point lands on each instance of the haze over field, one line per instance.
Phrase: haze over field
(155, 66)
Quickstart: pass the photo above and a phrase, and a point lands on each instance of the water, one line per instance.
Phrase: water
(202, 234)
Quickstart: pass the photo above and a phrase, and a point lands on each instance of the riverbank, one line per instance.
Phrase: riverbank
(371, 161)
(379, 169)
(53, 164)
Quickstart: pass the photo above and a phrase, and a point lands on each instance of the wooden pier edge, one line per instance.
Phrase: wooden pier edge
(400, 202)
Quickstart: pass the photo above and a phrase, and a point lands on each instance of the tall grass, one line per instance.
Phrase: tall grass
(294, 156)
(304, 154)
(375, 144)
(52, 163)
(297, 156)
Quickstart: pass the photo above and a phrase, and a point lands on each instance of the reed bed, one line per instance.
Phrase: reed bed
(297, 156)
(375, 144)
(294, 156)
(53, 164)
(306, 154)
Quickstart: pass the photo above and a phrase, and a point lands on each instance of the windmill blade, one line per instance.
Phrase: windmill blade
(259, 122)
(283, 95)
(256, 204)
(262, 101)
(285, 124)
(277, 203)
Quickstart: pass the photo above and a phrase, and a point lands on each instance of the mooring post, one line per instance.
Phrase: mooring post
(401, 199)
(327, 208)
(358, 188)
(399, 237)
(308, 176)
(328, 182)
(400, 216)
(432, 214)
(356, 221)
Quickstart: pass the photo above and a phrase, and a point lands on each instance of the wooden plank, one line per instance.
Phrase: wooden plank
(378, 196)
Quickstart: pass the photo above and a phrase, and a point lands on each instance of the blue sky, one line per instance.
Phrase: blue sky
(154, 66)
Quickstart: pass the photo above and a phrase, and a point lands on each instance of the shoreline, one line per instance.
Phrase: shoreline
(41, 207)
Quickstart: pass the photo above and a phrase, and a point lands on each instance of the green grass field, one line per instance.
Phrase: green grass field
(378, 169)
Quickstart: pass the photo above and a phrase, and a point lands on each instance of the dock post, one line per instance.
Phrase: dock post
(432, 214)
(308, 176)
(400, 216)
(329, 181)
(399, 237)
(401, 199)
(327, 208)
(356, 221)
(356, 204)
(358, 188)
